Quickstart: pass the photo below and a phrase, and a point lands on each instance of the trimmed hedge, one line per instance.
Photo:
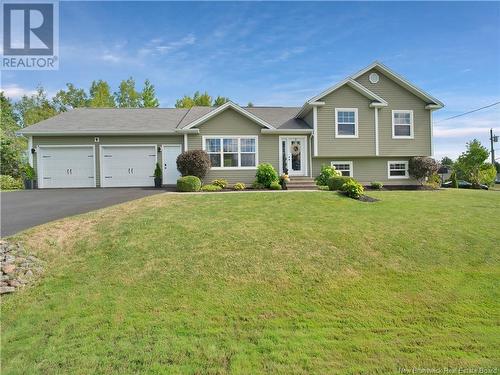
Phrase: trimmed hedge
(335, 183)
(193, 163)
(211, 187)
(188, 183)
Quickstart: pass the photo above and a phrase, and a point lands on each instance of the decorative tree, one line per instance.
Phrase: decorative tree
(193, 163)
(422, 167)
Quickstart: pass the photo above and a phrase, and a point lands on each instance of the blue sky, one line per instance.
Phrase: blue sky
(284, 53)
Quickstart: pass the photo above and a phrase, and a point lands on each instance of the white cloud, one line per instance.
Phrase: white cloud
(158, 46)
(111, 58)
(286, 54)
(14, 91)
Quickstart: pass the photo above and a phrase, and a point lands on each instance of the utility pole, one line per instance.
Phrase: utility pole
(493, 138)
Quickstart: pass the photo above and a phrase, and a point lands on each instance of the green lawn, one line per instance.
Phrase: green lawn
(291, 283)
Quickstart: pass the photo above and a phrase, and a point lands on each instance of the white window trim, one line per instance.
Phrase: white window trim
(355, 110)
(351, 170)
(405, 177)
(394, 136)
(239, 137)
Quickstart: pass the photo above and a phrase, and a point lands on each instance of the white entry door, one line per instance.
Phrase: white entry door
(170, 172)
(293, 155)
(66, 166)
(127, 165)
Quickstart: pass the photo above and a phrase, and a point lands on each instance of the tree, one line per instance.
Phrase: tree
(446, 161)
(469, 163)
(12, 147)
(198, 99)
(71, 98)
(148, 95)
(220, 100)
(422, 167)
(250, 104)
(35, 108)
(487, 174)
(193, 163)
(100, 95)
(127, 96)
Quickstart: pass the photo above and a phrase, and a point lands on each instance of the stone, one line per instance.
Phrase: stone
(7, 289)
(29, 273)
(8, 268)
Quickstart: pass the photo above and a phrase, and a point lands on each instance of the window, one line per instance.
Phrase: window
(346, 122)
(231, 151)
(344, 167)
(402, 124)
(397, 169)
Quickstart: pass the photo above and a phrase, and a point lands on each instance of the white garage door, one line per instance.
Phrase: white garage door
(66, 166)
(131, 165)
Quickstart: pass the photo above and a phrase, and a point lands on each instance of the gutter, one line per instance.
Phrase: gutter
(102, 133)
(286, 131)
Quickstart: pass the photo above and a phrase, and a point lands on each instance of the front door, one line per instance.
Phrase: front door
(293, 155)
(170, 172)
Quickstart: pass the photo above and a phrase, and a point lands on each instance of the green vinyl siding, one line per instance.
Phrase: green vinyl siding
(328, 144)
(367, 170)
(399, 98)
(104, 140)
(232, 123)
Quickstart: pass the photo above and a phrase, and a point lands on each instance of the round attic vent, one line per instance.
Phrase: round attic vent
(373, 77)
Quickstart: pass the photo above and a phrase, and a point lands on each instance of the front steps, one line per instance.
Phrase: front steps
(301, 183)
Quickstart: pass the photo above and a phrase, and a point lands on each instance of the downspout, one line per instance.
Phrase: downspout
(376, 132)
(30, 146)
(185, 142)
(432, 131)
(315, 129)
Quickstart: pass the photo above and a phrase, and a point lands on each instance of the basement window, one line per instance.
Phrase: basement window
(397, 169)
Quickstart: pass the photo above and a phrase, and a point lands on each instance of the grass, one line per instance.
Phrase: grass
(294, 283)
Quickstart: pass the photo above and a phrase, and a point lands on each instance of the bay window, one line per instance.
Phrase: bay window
(231, 151)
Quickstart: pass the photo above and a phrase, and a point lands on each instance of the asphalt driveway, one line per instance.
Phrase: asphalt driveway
(27, 208)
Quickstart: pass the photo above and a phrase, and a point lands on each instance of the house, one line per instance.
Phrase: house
(367, 126)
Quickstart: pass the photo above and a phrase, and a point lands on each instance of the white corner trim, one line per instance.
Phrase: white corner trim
(30, 146)
(412, 134)
(376, 132)
(351, 165)
(431, 121)
(405, 177)
(355, 110)
(185, 142)
(315, 130)
(222, 108)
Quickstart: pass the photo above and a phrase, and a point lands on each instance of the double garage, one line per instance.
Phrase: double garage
(83, 166)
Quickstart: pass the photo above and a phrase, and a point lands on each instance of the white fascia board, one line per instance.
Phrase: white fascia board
(222, 108)
(187, 131)
(401, 80)
(286, 131)
(97, 132)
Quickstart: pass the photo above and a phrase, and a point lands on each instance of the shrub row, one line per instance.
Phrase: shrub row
(10, 183)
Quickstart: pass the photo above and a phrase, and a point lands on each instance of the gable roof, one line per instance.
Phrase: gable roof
(353, 84)
(432, 103)
(114, 121)
(377, 101)
(402, 81)
(216, 110)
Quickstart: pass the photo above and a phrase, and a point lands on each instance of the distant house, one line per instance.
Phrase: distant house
(367, 126)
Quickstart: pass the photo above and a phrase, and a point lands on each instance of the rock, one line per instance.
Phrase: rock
(7, 289)
(8, 268)
(4, 278)
(29, 273)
